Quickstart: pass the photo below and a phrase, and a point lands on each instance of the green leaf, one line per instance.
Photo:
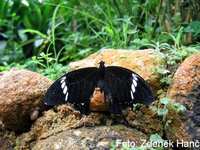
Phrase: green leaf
(35, 32)
(193, 27)
(156, 138)
(165, 101)
(162, 112)
(179, 107)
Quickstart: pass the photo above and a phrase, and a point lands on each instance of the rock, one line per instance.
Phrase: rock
(5, 144)
(185, 89)
(90, 138)
(21, 91)
(175, 127)
(186, 78)
(145, 120)
(142, 62)
(7, 138)
(65, 128)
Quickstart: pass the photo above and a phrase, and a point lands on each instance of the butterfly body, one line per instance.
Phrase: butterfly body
(109, 89)
(99, 101)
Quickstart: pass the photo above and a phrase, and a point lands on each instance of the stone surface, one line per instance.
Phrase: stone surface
(90, 138)
(145, 120)
(185, 89)
(5, 144)
(175, 128)
(142, 62)
(65, 128)
(21, 91)
(7, 138)
(186, 78)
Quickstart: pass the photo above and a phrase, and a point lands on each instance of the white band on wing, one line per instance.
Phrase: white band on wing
(133, 85)
(64, 87)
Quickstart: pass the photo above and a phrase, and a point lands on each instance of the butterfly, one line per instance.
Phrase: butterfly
(110, 89)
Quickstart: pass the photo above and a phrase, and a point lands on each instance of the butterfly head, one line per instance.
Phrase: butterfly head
(101, 64)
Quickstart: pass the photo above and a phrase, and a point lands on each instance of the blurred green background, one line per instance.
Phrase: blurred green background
(45, 35)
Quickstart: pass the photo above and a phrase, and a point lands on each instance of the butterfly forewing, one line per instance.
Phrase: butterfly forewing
(74, 87)
(128, 87)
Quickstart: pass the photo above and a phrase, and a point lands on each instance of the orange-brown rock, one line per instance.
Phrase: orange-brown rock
(21, 91)
(185, 89)
(175, 128)
(65, 130)
(142, 62)
(145, 120)
(61, 126)
(185, 80)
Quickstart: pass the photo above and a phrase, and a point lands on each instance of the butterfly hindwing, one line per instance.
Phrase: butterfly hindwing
(74, 87)
(54, 95)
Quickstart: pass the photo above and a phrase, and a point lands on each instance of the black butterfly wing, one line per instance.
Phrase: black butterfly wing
(127, 88)
(75, 87)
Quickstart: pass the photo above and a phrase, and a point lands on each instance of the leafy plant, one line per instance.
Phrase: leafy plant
(193, 27)
(179, 107)
(71, 30)
(162, 109)
(164, 104)
(49, 66)
(164, 74)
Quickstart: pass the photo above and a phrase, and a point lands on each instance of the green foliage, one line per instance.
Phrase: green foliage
(163, 110)
(164, 105)
(156, 138)
(137, 106)
(164, 74)
(71, 30)
(178, 107)
(49, 66)
(173, 54)
(193, 27)
(44, 64)
(176, 53)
